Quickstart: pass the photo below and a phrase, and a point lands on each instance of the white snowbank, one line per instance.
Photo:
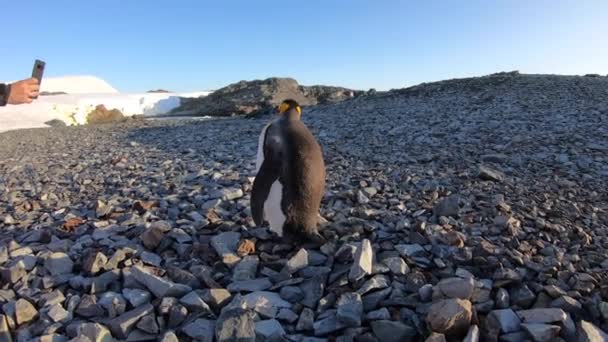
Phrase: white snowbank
(73, 108)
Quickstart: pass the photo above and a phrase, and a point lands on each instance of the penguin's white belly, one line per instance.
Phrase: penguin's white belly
(272, 208)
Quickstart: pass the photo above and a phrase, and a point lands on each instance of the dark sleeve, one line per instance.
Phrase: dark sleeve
(4, 90)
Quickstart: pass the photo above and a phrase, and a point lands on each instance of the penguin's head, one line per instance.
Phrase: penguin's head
(290, 107)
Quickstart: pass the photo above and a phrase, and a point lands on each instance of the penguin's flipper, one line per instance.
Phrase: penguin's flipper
(261, 188)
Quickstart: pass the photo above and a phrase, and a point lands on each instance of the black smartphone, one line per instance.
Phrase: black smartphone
(38, 70)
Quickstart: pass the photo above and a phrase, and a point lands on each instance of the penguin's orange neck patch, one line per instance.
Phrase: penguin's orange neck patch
(284, 107)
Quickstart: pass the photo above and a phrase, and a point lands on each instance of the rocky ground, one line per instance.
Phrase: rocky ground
(468, 209)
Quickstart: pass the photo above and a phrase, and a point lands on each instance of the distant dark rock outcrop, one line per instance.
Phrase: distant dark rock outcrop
(260, 96)
(49, 93)
(158, 91)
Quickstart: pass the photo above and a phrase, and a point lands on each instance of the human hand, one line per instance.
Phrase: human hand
(23, 91)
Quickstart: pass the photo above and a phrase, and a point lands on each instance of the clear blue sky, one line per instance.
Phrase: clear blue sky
(196, 45)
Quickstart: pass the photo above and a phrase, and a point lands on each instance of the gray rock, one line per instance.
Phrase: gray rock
(313, 289)
(541, 332)
(292, 294)
(472, 335)
(328, 325)
(194, 303)
(58, 263)
(169, 336)
(306, 321)
(200, 330)
(94, 263)
(397, 265)
(121, 326)
(547, 315)
(391, 331)
(177, 315)
(425, 292)
(151, 258)
(14, 273)
(380, 314)
(94, 332)
(287, 315)
(410, 250)
(148, 324)
(264, 302)
(252, 285)
(362, 264)
(154, 234)
(269, 329)
(449, 206)
(587, 332)
(372, 300)
(217, 298)
(225, 245)
(435, 337)
(158, 286)
(297, 262)
(567, 304)
(88, 307)
(502, 298)
(456, 288)
(136, 297)
(505, 321)
(235, 324)
(376, 282)
(5, 331)
(489, 174)
(350, 309)
(246, 269)
(113, 303)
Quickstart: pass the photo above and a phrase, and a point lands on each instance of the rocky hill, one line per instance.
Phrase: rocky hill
(260, 96)
(467, 209)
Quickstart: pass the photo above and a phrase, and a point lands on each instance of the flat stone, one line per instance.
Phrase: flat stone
(380, 314)
(269, 329)
(541, 332)
(375, 283)
(148, 324)
(24, 311)
(264, 302)
(450, 316)
(94, 332)
(504, 320)
(472, 335)
(235, 324)
(297, 262)
(226, 244)
(292, 294)
(217, 298)
(252, 285)
(502, 298)
(287, 315)
(362, 264)
(313, 289)
(194, 303)
(151, 258)
(567, 304)
(122, 325)
(306, 321)
(448, 206)
(372, 300)
(158, 286)
(246, 269)
(487, 173)
(396, 265)
(391, 331)
(350, 309)
(136, 297)
(456, 288)
(94, 263)
(58, 263)
(57, 313)
(410, 250)
(113, 303)
(101, 283)
(587, 332)
(328, 325)
(201, 330)
(547, 315)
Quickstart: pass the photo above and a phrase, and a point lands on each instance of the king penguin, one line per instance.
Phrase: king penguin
(290, 180)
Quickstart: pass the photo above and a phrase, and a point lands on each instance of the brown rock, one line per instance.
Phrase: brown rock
(450, 316)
